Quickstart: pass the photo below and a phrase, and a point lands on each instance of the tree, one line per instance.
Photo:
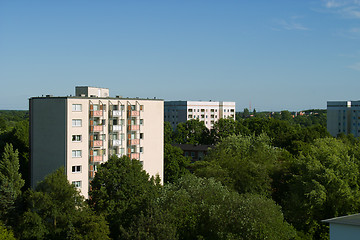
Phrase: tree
(10, 181)
(6, 234)
(122, 191)
(243, 163)
(205, 209)
(168, 133)
(55, 210)
(323, 183)
(222, 129)
(175, 163)
(192, 132)
(246, 113)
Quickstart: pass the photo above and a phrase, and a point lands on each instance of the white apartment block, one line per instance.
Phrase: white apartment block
(80, 132)
(343, 117)
(208, 112)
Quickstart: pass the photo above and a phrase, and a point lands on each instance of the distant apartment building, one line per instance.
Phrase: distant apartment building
(208, 112)
(80, 132)
(343, 117)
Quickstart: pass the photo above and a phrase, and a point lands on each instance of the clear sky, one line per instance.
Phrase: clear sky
(278, 55)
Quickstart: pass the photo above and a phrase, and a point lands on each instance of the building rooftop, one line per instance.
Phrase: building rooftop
(347, 220)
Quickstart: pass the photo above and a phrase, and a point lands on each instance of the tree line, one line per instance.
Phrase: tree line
(265, 178)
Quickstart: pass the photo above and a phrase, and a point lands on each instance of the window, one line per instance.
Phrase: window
(141, 121)
(133, 149)
(141, 107)
(76, 169)
(141, 149)
(190, 110)
(77, 184)
(76, 107)
(141, 136)
(189, 116)
(76, 153)
(76, 123)
(76, 138)
(133, 107)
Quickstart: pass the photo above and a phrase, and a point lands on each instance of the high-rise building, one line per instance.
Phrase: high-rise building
(80, 132)
(343, 117)
(207, 111)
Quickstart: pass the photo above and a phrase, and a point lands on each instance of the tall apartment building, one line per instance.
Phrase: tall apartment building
(80, 132)
(209, 112)
(343, 117)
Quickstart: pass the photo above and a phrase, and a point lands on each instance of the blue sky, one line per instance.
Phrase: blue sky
(280, 54)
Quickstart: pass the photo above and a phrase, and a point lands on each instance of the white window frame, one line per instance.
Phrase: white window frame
(77, 107)
(77, 138)
(76, 169)
(76, 122)
(76, 153)
(77, 184)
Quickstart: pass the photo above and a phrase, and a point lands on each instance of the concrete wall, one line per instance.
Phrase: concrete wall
(47, 136)
(344, 232)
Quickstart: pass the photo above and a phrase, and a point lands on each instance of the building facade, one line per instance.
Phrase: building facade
(209, 112)
(343, 117)
(80, 132)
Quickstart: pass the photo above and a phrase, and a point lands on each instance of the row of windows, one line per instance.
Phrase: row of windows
(202, 116)
(78, 122)
(201, 110)
(96, 107)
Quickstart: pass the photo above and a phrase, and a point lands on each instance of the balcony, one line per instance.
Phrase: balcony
(97, 128)
(96, 158)
(96, 113)
(96, 143)
(117, 113)
(116, 128)
(135, 156)
(116, 142)
(134, 113)
(134, 127)
(91, 174)
(134, 142)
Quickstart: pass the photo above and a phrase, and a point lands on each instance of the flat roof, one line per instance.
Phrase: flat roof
(346, 220)
(101, 98)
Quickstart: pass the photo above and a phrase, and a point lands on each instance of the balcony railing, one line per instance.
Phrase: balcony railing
(96, 158)
(117, 113)
(135, 156)
(134, 142)
(134, 113)
(96, 113)
(134, 127)
(116, 128)
(97, 143)
(97, 128)
(116, 142)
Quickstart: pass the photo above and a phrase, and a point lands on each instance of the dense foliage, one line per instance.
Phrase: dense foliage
(267, 176)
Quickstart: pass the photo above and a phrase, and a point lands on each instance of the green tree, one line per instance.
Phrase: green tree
(56, 210)
(246, 113)
(6, 234)
(243, 163)
(168, 133)
(192, 132)
(175, 163)
(122, 191)
(205, 209)
(10, 181)
(222, 129)
(323, 183)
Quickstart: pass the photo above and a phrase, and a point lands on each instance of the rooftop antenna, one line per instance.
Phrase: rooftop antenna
(250, 106)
